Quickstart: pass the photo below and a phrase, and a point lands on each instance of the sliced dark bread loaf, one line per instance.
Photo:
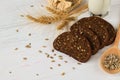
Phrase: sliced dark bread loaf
(86, 37)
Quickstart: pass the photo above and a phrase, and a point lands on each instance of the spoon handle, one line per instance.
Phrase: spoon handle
(117, 37)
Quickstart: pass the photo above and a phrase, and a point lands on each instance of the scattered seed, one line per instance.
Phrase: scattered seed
(29, 43)
(51, 57)
(16, 49)
(10, 72)
(54, 54)
(37, 74)
(78, 63)
(28, 46)
(25, 58)
(46, 53)
(52, 60)
(46, 39)
(59, 64)
(17, 30)
(66, 61)
(44, 46)
(40, 51)
(29, 34)
(22, 15)
(63, 73)
(42, 6)
(60, 57)
(31, 5)
(73, 68)
(51, 67)
(53, 50)
(48, 56)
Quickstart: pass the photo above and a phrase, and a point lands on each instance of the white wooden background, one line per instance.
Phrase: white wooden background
(36, 67)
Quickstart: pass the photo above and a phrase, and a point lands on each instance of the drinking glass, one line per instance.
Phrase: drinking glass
(99, 7)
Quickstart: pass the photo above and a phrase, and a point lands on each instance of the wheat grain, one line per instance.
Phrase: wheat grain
(71, 19)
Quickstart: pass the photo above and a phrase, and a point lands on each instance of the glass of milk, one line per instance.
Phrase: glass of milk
(99, 7)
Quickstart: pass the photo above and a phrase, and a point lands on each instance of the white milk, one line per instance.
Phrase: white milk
(106, 6)
(99, 7)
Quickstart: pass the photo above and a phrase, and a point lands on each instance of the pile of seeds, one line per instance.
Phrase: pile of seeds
(85, 38)
(112, 62)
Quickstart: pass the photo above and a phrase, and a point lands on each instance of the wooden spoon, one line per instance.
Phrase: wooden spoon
(113, 50)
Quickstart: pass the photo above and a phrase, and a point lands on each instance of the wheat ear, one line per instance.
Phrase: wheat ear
(55, 12)
(37, 20)
(45, 19)
(50, 18)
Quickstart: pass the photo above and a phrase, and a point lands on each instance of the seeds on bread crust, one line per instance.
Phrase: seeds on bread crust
(75, 46)
(92, 38)
(62, 43)
(99, 30)
(90, 35)
(108, 26)
(81, 49)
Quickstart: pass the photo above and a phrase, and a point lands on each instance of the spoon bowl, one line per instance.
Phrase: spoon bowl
(112, 50)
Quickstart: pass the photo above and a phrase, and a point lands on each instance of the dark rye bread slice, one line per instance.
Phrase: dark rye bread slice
(90, 35)
(81, 49)
(100, 31)
(92, 38)
(108, 26)
(63, 43)
(75, 46)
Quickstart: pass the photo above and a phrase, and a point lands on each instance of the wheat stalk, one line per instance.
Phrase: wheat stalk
(76, 4)
(79, 9)
(63, 24)
(55, 12)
